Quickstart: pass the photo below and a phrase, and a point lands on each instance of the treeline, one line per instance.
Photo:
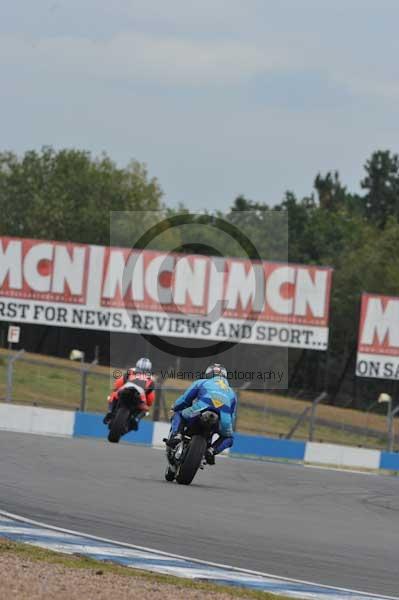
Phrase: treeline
(69, 195)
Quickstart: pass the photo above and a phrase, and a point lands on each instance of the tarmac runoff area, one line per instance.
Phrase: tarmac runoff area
(333, 528)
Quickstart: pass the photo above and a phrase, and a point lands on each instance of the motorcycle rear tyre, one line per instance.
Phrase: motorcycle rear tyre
(119, 425)
(192, 460)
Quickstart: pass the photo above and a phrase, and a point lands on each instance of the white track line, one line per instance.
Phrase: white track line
(339, 470)
(237, 570)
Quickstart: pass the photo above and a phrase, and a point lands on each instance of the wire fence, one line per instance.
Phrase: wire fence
(36, 382)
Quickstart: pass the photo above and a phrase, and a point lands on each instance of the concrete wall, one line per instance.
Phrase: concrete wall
(30, 419)
(342, 456)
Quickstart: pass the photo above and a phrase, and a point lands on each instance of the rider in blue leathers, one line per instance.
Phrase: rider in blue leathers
(213, 391)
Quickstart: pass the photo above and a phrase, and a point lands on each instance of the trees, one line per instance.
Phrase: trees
(359, 237)
(382, 185)
(331, 193)
(299, 213)
(68, 195)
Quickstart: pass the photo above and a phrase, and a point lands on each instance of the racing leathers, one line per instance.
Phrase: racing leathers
(212, 393)
(141, 381)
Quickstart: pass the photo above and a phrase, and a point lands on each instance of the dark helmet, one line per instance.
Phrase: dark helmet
(216, 370)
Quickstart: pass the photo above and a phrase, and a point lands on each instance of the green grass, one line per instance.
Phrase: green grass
(55, 387)
(257, 423)
(33, 553)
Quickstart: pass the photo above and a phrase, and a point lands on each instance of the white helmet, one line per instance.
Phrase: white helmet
(215, 370)
(144, 365)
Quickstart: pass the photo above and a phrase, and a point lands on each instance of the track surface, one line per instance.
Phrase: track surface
(333, 528)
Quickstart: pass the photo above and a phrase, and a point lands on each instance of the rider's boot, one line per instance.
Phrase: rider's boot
(108, 417)
(135, 420)
(210, 456)
(133, 424)
(111, 410)
(176, 432)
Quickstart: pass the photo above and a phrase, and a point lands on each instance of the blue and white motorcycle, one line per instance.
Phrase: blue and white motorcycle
(189, 455)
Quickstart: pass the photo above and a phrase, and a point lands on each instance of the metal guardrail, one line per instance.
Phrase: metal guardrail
(10, 372)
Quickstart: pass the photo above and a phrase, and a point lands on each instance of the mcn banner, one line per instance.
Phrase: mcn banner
(378, 343)
(134, 291)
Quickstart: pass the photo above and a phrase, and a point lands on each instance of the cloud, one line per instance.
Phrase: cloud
(300, 90)
(218, 97)
(213, 43)
(140, 57)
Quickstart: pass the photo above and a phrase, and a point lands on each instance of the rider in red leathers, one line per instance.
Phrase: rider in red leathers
(141, 377)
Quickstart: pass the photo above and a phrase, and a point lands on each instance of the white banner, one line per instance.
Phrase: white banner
(174, 295)
(378, 343)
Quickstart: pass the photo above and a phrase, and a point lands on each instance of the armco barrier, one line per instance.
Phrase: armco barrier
(342, 456)
(252, 445)
(30, 419)
(389, 461)
(90, 425)
(161, 431)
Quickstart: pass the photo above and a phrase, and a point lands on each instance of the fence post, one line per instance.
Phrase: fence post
(84, 373)
(298, 422)
(83, 387)
(156, 413)
(391, 433)
(312, 420)
(238, 396)
(162, 403)
(238, 392)
(10, 373)
(10, 364)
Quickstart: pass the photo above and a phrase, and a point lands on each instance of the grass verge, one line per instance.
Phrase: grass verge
(36, 554)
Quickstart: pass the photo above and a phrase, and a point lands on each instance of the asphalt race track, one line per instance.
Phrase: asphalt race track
(329, 527)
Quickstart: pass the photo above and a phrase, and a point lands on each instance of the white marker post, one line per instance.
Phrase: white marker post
(14, 333)
(387, 399)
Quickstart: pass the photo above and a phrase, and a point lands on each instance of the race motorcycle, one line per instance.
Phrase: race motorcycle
(124, 415)
(189, 455)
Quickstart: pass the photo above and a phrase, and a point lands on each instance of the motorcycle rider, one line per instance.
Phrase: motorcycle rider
(141, 377)
(213, 390)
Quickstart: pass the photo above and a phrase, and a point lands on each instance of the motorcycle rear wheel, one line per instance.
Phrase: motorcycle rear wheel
(119, 425)
(192, 460)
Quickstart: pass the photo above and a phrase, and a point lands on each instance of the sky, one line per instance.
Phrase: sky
(217, 97)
